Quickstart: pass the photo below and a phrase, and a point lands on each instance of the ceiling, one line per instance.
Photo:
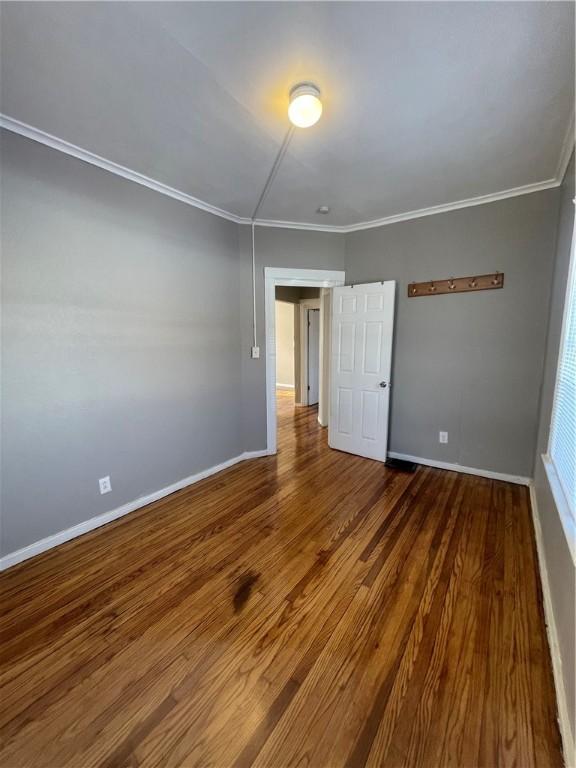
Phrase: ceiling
(425, 103)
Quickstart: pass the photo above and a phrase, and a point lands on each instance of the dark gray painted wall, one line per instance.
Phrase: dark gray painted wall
(274, 248)
(560, 566)
(121, 335)
(470, 364)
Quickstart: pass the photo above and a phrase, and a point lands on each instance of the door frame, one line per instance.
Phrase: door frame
(305, 305)
(273, 276)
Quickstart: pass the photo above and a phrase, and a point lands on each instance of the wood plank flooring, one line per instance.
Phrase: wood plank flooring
(310, 609)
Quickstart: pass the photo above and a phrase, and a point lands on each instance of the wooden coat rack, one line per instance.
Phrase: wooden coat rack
(457, 285)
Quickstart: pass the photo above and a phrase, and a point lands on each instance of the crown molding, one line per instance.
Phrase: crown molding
(16, 126)
(305, 225)
(527, 189)
(28, 131)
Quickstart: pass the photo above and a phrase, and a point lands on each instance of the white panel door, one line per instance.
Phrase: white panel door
(313, 355)
(361, 357)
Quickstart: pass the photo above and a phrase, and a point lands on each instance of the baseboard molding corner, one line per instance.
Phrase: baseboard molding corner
(517, 479)
(54, 540)
(247, 455)
(285, 386)
(568, 743)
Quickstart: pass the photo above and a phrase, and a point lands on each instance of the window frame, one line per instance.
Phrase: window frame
(565, 510)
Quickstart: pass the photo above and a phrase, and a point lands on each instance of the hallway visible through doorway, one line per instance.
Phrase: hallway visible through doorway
(298, 346)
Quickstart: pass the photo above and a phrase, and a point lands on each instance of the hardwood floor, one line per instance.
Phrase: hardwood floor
(311, 609)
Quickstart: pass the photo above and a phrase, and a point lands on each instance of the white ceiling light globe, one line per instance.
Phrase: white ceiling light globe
(305, 105)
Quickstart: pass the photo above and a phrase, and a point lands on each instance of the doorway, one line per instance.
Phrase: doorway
(294, 278)
(298, 344)
(286, 343)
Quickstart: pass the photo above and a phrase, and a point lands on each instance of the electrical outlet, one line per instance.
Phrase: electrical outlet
(105, 485)
(255, 353)
(443, 437)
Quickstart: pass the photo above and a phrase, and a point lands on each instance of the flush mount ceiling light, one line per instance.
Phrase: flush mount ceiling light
(305, 105)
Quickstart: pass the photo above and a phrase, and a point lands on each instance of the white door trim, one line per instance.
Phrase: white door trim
(307, 384)
(305, 305)
(325, 352)
(273, 276)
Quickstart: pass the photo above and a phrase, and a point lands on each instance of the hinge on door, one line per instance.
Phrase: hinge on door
(308, 387)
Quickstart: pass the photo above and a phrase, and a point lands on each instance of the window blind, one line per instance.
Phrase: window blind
(562, 447)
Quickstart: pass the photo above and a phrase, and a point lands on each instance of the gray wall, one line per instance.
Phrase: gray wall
(126, 338)
(127, 333)
(274, 248)
(121, 336)
(560, 566)
(470, 364)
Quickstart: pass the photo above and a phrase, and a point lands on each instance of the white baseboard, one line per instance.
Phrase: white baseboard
(254, 455)
(284, 386)
(95, 522)
(553, 643)
(518, 479)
